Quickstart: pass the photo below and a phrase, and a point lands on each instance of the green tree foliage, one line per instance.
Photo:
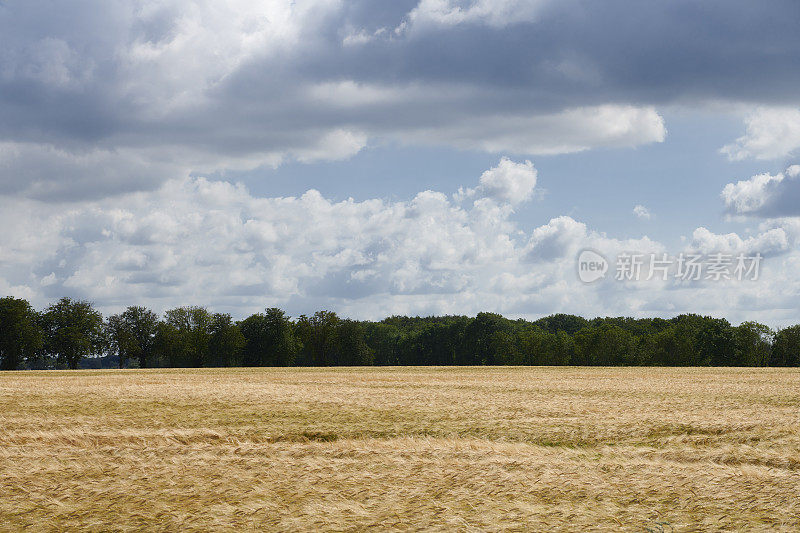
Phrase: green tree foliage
(485, 340)
(674, 345)
(439, 340)
(318, 337)
(753, 344)
(73, 329)
(169, 349)
(327, 340)
(69, 331)
(386, 341)
(185, 337)
(351, 348)
(786, 347)
(715, 343)
(20, 335)
(269, 339)
(604, 345)
(194, 337)
(226, 342)
(690, 340)
(569, 324)
(504, 348)
(118, 340)
(131, 335)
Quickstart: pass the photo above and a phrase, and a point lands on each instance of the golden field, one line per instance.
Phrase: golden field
(470, 449)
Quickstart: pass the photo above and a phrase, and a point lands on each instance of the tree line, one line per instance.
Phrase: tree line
(73, 334)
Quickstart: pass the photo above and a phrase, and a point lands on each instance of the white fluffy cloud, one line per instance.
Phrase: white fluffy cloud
(642, 212)
(771, 242)
(772, 133)
(508, 183)
(189, 48)
(196, 241)
(196, 237)
(747, 196)
(765, 195)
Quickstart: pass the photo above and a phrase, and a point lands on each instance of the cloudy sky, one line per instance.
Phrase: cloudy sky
(398, 157)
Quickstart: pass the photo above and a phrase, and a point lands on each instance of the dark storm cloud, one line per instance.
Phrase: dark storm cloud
(576, 53)
(235, 89)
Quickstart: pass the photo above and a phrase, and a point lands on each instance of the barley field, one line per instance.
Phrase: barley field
(407, 449)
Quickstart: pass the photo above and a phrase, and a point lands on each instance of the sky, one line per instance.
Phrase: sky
(401, 157)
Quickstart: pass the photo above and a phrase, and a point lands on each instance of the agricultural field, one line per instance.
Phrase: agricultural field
(470, 449)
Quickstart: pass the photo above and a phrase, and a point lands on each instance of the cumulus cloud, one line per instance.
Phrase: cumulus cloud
(772, 133)
(197, 237)
(557, 239)
(772, 242)
(765, 195)
(642, 212)
(507, 183)
(198, 241)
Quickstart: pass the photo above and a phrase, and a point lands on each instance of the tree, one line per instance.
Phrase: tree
(168, 347)
(715, 342)
(185, 338)
(482, 339)
(118, 339)
(569, 324)
(673, 346)
(351, 347)
(318, 337)
(68, 331)
(385, 340)
(692, 340)
(20, 334)
(786, 347)
(753, 344)
(504, 346)
(226, 343)
(269, 339)
(132, 335)
(541, 347)
(605, 345)
(73, 330)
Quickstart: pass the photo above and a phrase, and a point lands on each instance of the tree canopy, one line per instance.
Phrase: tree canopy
(72, 333)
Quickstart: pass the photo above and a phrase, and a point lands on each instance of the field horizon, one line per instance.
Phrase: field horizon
(401, 448)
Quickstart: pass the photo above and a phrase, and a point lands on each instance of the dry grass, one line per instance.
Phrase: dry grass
(407, 449)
